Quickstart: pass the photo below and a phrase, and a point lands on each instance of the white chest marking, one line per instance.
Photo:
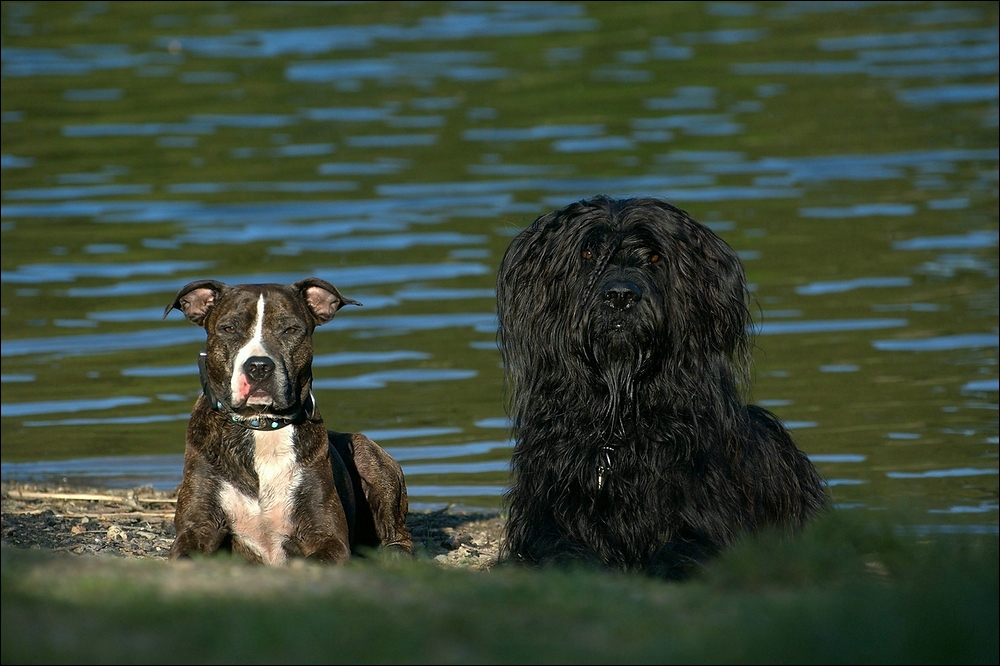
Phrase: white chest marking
(253, 347)
(263, 522)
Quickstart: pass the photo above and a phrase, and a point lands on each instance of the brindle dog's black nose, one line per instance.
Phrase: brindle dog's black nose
(621, 295)
(258, 368)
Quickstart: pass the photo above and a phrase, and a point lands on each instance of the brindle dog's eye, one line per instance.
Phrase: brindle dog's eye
(226, 328)
(587, 254)
(291, 330)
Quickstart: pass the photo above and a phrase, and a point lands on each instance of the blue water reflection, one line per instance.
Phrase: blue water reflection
(502, 466)
(860, 210)
(466, 21)
(969, 241)
(982, 507)
(398, 241)
(78, 60)
(303, 187)
(949, 94)
(941, 473)
(67, 406)
(345, 277)
(274, 212)
(273, 153)
(828, 326)
(48, 273)
(73, 345)
(840, 286)
(982, 385)
(93, 95)
(694, 125)
(160, 472)
(78, 192)
(376, 380)
(109, 421)
(381, 167)
(941, 343)
(838, 458)
(824, 168)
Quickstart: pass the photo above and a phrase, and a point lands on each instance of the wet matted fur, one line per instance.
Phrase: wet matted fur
(624, 334)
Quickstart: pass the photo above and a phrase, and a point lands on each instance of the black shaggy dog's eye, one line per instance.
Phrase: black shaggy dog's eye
(587, 254)
(654, 257)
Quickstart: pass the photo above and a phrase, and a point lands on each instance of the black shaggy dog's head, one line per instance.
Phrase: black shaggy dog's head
(621, 293)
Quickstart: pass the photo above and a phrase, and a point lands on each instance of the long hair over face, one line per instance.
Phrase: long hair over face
(620, 297)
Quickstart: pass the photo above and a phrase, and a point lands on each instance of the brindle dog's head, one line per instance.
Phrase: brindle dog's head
(258, 356)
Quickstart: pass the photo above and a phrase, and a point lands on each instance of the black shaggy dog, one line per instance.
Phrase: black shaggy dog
(623, 330)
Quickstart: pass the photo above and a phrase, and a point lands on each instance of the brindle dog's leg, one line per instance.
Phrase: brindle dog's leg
(380, 491)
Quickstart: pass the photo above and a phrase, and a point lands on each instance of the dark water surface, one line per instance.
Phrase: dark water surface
(847, 150)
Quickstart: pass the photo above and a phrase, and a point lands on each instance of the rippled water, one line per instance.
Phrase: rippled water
(848, 151)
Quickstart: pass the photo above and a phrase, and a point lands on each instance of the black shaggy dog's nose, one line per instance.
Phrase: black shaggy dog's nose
(258, 368)
(621, 295)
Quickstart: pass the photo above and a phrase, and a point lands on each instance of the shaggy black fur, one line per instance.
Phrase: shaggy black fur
(623, 329)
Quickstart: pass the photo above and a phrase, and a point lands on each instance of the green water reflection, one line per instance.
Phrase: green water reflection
(847, 151)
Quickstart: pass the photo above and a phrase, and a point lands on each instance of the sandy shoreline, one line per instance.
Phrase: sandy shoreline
(138, 523)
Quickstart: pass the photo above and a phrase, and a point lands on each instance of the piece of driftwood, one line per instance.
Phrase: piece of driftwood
(17, 493)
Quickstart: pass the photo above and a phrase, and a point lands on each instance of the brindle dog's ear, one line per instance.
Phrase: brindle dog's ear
(195, 299)
(322, 298)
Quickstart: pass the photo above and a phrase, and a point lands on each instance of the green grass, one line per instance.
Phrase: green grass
(854, 588)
